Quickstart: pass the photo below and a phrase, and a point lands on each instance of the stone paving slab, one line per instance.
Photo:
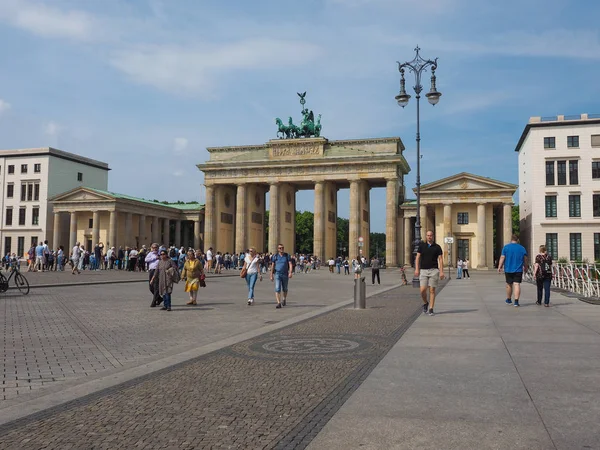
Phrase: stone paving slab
(274, 391)
(482, 375)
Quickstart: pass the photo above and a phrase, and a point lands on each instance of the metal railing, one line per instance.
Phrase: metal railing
(581, 279)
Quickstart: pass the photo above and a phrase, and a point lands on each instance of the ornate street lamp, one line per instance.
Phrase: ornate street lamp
(417, 66)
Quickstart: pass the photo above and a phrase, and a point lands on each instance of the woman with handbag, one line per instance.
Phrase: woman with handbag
(192, 273)
(250, 272)
(166, 273)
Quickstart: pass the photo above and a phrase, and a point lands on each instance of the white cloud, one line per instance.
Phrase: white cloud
(195, 70)
(52, 128)
(180, 144)
(4, 106)
(178, 173)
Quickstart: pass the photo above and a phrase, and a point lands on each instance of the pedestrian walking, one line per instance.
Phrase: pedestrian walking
(75, 257)
(465, 266)
(357, 267)
(192, 273)
(375, 265)
(346, 265)
(513, 260)
(152, 259)
(429, 267)
(543, 275)
(164, 276)
(250, 269)
(281, 272)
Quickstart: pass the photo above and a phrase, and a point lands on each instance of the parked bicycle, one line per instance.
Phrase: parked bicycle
(20, 281)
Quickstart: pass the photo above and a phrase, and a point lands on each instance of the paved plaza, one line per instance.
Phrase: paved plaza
(95, 367)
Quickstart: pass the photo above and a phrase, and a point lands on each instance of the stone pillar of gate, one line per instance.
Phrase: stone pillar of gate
(365, 217)
(507, 222)
(241, 215)
(224, 219)
(330, 220)
(391, 221)
(255, 218)
(128, 241)
(408, 228)
(73, 230)
(319, 223)
(209, 219)
(481, 236)
(354, 225)
(287, 217)
(112, 230)
(274, 217)
(56, 231)
(142, 230)
(448, 233)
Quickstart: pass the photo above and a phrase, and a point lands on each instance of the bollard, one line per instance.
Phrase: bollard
(360, 293)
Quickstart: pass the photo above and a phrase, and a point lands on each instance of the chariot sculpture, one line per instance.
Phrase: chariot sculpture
(307, 128)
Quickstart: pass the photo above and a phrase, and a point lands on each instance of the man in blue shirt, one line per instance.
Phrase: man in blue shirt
(39, 257)
(513, 259)
(281, 271)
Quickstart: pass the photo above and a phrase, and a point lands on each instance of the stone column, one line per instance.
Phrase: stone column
(391, 221)
(112, 230)
(354, 228)
(240, 218)
(56, 231)
(155, 231)
(408, 244)
(73, 230)
(507, 219)
(481, 244)
(95, 228)
(128, 229)
(424, 224)
(319, 223)
(197, 235)
(273, 217)
(209, 220)
(447, 222)
(177, 241)
(142, 230)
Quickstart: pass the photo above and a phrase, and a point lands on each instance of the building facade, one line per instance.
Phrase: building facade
(28, 178)
(559, 186)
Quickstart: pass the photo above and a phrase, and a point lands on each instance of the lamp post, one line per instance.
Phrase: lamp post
(417, 66)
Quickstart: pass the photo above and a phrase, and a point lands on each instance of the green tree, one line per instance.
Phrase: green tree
(343, 231)
(376, 244)
(304, 231)
(516, 227)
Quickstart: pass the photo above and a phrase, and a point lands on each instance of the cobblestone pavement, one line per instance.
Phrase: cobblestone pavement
(58, 336)
(274, 391)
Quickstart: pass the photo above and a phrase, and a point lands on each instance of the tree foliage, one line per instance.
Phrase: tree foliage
(304, 231)
(376, 245)
(516, 227)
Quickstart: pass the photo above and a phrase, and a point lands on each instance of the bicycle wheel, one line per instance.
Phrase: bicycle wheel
(22, 283)
(3, 283)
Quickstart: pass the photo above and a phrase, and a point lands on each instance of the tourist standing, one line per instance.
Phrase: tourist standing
(39, 258)
(75, 257)
(192, 273)
(346, 265)
(331, 264)
(375, 265)
(543, 275)
(459, 268)
(513, 259)
(164, 276)
(281, 272)
(429, 267)
(152, 260)
(465, 267)
(209, 260)
(60, 259)
(357, 267)
(251, 266)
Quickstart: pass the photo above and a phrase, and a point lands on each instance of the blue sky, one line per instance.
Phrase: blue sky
(147, 85)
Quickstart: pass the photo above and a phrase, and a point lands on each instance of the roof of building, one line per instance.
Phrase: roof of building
(557, 121)
(43, 151)
(180, 206)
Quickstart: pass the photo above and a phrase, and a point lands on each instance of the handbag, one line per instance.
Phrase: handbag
(243, 273)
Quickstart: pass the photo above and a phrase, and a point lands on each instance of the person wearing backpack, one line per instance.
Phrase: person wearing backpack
(543, 275)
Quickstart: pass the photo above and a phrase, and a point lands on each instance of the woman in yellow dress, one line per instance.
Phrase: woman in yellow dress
(191, 273)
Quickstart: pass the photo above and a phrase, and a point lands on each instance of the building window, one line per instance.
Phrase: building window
(20, 246)
(463, 218)
(562, 172)
(30, 192)
(596, 169)
(37, 168)
(10, 190)
(549, 173)
(23, 192)
(8, 216)
(36, 191)
(23, 168)
(552, 245)
(595, 140)
(596, 205)
(574, 205)
(550, 205)
(22, 212)
(35, 216)
(573, 172)
(91, 223)
(79, 176)
(34, 241)
(572, 141)
(7, 244)
(550, 142)
(575, 246)
(11, 169)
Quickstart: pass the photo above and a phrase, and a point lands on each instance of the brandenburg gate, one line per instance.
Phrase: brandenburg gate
(238, 178)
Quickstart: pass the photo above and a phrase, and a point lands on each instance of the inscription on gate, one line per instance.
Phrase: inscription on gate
(297, 150)
(257, 218)
(226, 218)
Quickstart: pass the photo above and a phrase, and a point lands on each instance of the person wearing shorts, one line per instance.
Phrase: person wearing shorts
(429, 268)
(513, 259)
(281, 271)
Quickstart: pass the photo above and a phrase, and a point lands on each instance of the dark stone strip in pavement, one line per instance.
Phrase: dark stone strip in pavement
(274, 391)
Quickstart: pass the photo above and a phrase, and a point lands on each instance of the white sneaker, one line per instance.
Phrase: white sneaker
(250, 302)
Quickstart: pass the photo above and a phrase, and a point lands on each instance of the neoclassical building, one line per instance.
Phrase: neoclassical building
(90, 216)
